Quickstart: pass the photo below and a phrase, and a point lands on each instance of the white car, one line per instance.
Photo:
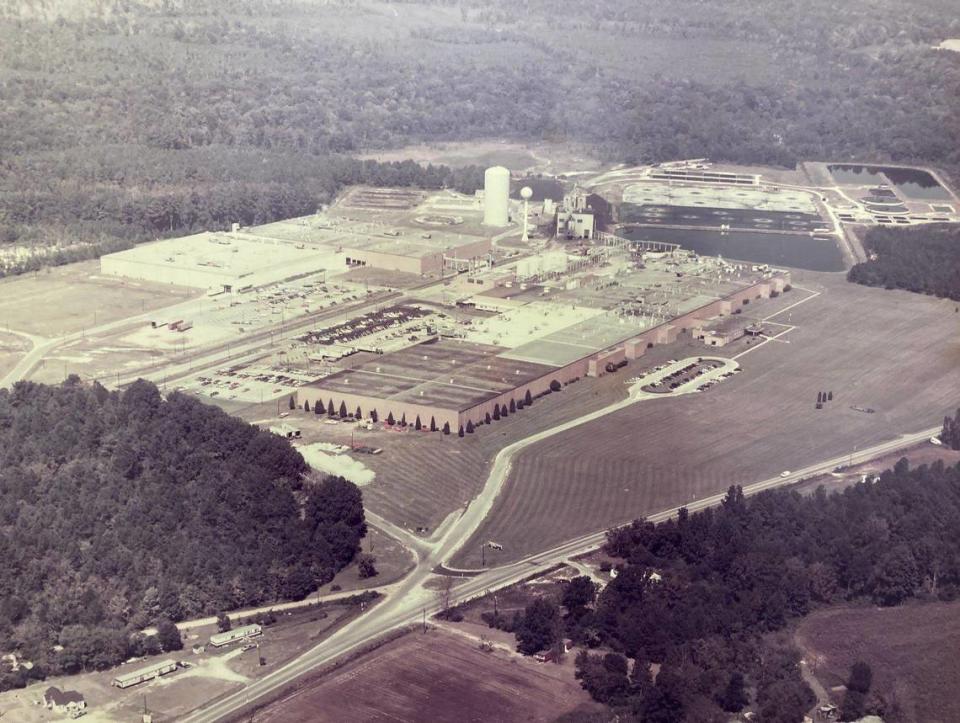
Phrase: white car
(785, 473)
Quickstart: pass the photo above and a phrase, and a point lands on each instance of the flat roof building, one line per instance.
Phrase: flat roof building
(231, 636)
(219, 262)
(142, 675)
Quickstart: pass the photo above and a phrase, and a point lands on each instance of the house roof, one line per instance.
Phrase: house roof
(62, 697)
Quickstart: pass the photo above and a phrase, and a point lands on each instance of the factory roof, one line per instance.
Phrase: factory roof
(222, 253)
(450, 374)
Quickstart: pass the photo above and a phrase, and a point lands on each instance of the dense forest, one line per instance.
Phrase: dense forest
(121, 510)
(691, 628)
(925, 260)
(126, 121)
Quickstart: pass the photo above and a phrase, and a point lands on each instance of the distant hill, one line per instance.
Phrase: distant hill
(121, 510)
(127, 121)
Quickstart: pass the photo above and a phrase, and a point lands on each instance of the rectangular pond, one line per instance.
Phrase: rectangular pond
(913, 183)
(799, 251)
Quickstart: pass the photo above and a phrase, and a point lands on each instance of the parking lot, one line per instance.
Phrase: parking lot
(676, 377)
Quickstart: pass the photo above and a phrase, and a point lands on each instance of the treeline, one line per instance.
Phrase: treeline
(689, 627)
(924, 260)
(119, 510)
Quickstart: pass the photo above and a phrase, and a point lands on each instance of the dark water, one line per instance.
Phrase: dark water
(815, 253)
(712, 218)
(911, 182)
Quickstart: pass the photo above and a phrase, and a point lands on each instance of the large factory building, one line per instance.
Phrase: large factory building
(442, 382)
(453, 382)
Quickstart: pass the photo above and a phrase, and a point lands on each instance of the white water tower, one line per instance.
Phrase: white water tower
(525, 193)
(496, 197)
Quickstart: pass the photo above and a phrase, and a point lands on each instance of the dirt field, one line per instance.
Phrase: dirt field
(434, 677)
(69, 298)
(560, 158)
(911, 649)
(895, 352)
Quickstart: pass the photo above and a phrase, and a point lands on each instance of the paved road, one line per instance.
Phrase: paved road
(409, 600)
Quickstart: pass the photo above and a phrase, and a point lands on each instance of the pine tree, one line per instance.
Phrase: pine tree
(528, 398)
(292, 404)
(390, 419)
(306, 405)
(469, 426)
(318, 408)
(496, 412)
(446, 427)
(416, 425)
(460, 432)
(734, 697)
(330, 409)
(513, 406)
(343, 409)
(433, 424)
(373, 416)
(359, 414)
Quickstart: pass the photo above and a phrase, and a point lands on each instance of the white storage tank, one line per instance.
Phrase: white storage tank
(496, 197)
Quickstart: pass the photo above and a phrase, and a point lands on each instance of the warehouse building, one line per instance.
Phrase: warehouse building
(415, 253)
(218, 262)
(446, 382)
(256, 257)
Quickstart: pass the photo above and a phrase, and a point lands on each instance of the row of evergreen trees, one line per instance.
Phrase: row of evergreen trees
(499, 412)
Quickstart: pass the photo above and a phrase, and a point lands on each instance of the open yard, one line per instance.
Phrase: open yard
(895, 352)
(65, 299)
(433, 677)
(911, 649)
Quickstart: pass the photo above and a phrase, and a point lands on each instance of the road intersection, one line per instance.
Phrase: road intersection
(412, 599)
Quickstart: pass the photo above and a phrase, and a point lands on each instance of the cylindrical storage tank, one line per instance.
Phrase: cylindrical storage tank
(496, 196)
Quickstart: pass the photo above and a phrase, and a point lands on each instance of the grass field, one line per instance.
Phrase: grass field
(893, 351)
(911, 649)
(12, 349)
(69, 298)
(434, 677)
(393, 561)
